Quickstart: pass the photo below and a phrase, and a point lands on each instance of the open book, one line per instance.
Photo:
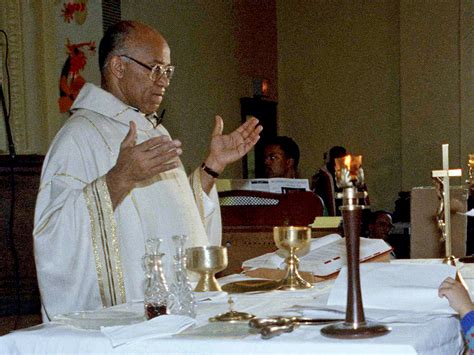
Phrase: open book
(327, 255)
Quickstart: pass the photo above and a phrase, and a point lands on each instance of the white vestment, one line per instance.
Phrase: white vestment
(87, 255)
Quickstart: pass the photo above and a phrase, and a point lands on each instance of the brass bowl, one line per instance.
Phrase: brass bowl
(207, 261)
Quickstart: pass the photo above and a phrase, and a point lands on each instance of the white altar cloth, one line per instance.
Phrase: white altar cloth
(437, 336)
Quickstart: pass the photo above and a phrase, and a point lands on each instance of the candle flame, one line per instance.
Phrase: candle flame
(347, 161)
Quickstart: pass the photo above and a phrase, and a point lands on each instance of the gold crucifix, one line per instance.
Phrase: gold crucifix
(444, 212)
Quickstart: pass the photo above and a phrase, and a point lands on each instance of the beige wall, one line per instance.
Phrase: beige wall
(466, 72)
(430, 88)
(389, 80)
(339, 85)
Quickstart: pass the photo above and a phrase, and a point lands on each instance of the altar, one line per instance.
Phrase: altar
(409, 333)
(392, 308)
(436, 337)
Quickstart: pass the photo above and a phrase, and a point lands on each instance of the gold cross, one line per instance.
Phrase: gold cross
(443, 176)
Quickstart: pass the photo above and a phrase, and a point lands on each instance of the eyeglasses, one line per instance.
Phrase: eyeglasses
(156, 71)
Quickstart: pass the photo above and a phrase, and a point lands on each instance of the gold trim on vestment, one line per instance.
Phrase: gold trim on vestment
(98, 131)
(45, 224)
(71, 176)
(98, 264)
(62, 175)
(105, 243)
(44, 186)
(104, 191)
(124, 110)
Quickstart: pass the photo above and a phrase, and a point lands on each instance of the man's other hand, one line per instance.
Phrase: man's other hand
(228, 148)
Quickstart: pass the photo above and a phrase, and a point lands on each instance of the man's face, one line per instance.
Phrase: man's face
(276, 162)
(136, 87)
(382, 227)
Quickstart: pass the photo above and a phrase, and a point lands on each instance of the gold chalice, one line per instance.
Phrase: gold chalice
(292, 239)
(207, 261)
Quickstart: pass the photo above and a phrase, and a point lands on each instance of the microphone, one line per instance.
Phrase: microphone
(160, 118)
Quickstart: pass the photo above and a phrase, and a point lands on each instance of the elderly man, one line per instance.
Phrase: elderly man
(113, 178)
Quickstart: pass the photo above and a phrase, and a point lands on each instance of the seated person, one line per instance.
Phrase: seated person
(282, 156)
(324, 181)
(379, 225)
(460, 301)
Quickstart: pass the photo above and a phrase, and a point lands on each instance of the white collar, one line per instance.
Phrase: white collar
(96, 99)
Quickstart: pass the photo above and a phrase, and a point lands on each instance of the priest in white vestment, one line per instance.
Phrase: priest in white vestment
(112, 179)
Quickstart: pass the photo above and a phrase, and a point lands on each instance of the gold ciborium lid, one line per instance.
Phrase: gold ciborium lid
(207, 261)
(232, 316)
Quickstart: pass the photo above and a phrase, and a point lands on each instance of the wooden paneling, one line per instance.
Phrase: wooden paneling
(248, 223)
(254, 208)
(26, 174)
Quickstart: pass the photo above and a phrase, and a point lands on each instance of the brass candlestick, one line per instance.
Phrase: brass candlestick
(292, 239)
(355, 324)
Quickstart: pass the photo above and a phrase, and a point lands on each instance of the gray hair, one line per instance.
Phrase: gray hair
(113, 42)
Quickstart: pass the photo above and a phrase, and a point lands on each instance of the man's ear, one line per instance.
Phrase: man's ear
(117, 67)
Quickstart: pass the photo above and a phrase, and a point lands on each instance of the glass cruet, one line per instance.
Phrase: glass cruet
(156, 288)
(182, 299)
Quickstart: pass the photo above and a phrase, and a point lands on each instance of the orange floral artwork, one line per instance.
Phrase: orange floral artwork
(71, 80)
(75, 10)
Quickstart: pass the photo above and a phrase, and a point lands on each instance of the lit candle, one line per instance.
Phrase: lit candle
(347, 162)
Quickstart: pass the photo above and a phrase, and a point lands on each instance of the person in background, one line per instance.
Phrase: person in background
(282, 156)
(460, 301)
(379, 225)
(323, 183)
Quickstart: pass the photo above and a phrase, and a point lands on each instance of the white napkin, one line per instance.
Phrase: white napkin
(158, 327)
(409, 287)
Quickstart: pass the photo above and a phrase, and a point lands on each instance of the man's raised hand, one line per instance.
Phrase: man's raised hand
(228, 148)
(137, 163)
